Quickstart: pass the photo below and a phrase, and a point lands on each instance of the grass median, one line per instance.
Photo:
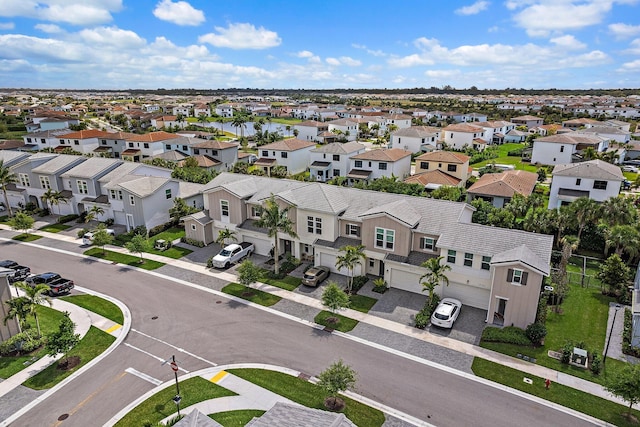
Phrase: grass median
(26, 237)
(119, 258)
(98, 305)
(344, 324)
(250, 294)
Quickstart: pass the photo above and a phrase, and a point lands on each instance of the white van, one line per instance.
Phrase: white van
(504, 167)
(87, 239)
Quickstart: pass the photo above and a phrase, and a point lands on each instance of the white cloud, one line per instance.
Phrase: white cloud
(343, 60)
(180, 13)
(473, 9)
(242, 36)
(112, 36)
(333, 61)
(440, 74)
(49, 28)
(634, 48)
(76, 12)
(624, 31)
(7, 25)
(372, 52)
(630, 67)
(308, 55)
(568, 42)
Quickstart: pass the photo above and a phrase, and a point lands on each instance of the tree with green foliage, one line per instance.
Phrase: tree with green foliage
(435, 275)
(138, 244)
(195, 174)
(64, 339)
(7, 177)
(93, 213)
(335, 379)
(334, 298)
(226, 235)
(619, 210)
(22, 222)
(614, 274)
(180, 209)
(583, 211)
(102, 238)
(276, 220)
(34, 296)
(351, 256)
(19, 310)
(625, 383)
(54, 198)
(623, 238)
(248, 273)
(448, 192)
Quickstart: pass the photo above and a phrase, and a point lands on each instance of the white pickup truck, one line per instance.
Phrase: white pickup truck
(231, 254)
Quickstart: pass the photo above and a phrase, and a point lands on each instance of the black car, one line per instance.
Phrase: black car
(20, 271)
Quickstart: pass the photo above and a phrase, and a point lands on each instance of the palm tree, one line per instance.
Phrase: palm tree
(619, 210)
(224, 235)
(17, 310)
(276, 220)
(94, 213)
(583, 211)
(53, 198)
(589, 153)
(435, 276)
(6, 177)
(239, 121)
(620, 237)
(34, 297)
(202, 118)
(350, 258)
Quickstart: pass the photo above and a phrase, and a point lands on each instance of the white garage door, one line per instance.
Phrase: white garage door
(328, 260)
(262, 246)
(468, 295)
(405, 280)
(120, 218)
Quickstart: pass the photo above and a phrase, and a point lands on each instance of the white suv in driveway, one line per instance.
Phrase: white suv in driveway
(446, 313)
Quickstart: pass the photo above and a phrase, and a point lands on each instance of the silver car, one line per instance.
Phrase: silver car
(315, 275)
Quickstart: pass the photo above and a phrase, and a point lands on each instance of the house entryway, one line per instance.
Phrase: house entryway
(498, 315)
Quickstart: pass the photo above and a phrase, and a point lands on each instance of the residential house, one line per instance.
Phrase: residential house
(439, 168)
(565, 148)
(140, 147)
(147, 200)
(610, 132)
(224, 110)
(496, 130)
(113, 144)
(494, 269)
(201, 109)
(168, 122)
(21, 193)
(224, 152)
(348, 128)
(528, 121)
(293, 154)
(400, 121)
(9, 327)
(311, 130)
(515, 136)
(499, 188)
(416, 138)
(576, 124)
(461, 135)
(44, 139)
(84, 141)
(332, 160)
(595, 179)
(375, 164)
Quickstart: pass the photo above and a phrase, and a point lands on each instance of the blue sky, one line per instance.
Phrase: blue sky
(148, 44)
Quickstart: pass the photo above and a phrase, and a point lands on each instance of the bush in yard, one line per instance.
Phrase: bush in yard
(536, 333)
(358, 283)
(160, 228)
(626, 335)
(192, 242)
(508, 334)
(82, 232)
(596, 364)
(21, 343)
(380, 285)
(423, 317)
(67, 218)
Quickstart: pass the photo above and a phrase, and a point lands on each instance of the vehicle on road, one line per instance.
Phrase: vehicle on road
(446, 313)
(315, 275)
(20, 271)
(232, 254)
(57, 284)
(630, 168)
(87, 238)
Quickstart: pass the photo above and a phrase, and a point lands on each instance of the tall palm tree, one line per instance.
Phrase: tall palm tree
(226, 235)
(6, 177)
(351, 257)
(34, 297)
(17, 310)
(239, 121)
(276, 220)
(620, 237)
(94, 213)
(619, 210)
(583, 211)
(435, 276)
(53, 198)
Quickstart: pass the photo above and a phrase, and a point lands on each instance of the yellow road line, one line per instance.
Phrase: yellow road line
(220, 375)
(113, 328)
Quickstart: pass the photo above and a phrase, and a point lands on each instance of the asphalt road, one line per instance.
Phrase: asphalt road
(211, 329)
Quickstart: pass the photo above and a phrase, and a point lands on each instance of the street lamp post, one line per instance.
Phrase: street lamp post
(606, 350)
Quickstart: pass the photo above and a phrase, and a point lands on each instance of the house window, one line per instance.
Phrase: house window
(336, 172)
(224, 207)
(104, 142)
(424, 165)
(562, 148)
(358, 163)
(451, 256)
(516, 276)
(214, 152)
(28, 139)
(452, 168)
(353, 230)
(384, 238)
(382, 166)
(132, 200)
(336, 157)
(427, 243)
(372, 262)
(196, 151)
(131, 145)
(468, 259)
(116, 194)
(82, 187)
(578, 181)
(167, 146)
(314, 225)
(284, 155)
(193, 227)
(265, 153)
(167, 193)
(76, 142)
(184, 147)
(256, 211)
(44, 182)
(599, 185)
(486, 262)
(42, 140)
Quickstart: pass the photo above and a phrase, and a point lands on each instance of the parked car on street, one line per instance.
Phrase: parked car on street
(446, 313)
(57, 284)
(20, 271)
(315, 275)
(232, 254)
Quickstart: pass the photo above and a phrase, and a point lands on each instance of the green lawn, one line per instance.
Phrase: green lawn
(308, 394)
(55, 228)
(94, 343)
(236, 418)
(505, 159)
(119, 258)
(345, 324)
(161, 405)
(27, 237)
(250, 294)
(288, 282)
(98, 305)
(566, 396)
(361, 303)
(170, 235)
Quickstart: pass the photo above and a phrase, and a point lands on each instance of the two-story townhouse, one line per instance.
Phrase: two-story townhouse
(400, 121)
(44, 139)
(10, 326)
(21, 193)
(293, 154)
(82, 180)
(184, 109)
(565, 148)
(496, 130)
(375, 164)
(311, 130)
(473, 117)
(48, 175)
(224, 152)
(494, 269)
(499, 188)
(438, 168)
(347, 128)
(462, 135)
(576, 124)
(528, 120)
(610, 132)
(416, 138)
(147, 200)
(84, 141)
(167, 122)
(595, 179)
(140, 147)
(201, 109)
(224, 110)
(112, 144)
(332, 160)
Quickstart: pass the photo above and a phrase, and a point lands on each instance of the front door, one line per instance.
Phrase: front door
(501, 306)
(381, 270)
(287, 246)
(130, 224)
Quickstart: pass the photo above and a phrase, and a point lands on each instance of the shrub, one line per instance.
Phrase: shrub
(82, 218)
(566, 351)
(289, 264)
(23, 342)
(423, 317)
(380, 285)
(82, 232)
(508, 334)
(192, 242)
(160, 228)
(596, 364)
(67, 218)
(139, 230)
(109, 222)
(358, 283)
(536, 333)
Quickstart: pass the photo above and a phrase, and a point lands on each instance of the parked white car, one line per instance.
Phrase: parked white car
(630, 168)
(446, 313)
(87, 238)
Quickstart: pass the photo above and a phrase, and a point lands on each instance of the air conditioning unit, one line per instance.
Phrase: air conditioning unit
(318, 178)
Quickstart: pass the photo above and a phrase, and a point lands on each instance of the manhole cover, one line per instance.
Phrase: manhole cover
(304, 376)
(218, 302)
(154, 318)
(63, 417)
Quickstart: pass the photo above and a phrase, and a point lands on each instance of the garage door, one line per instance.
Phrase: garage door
(328, 260)
(119, 218)
(405, 280)
(262, 246)
(468, 295)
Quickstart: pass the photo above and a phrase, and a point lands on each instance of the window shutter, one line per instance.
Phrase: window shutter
(524, 277)
(346, 229)
(422, 242)
(510, 275)
(358, 231)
